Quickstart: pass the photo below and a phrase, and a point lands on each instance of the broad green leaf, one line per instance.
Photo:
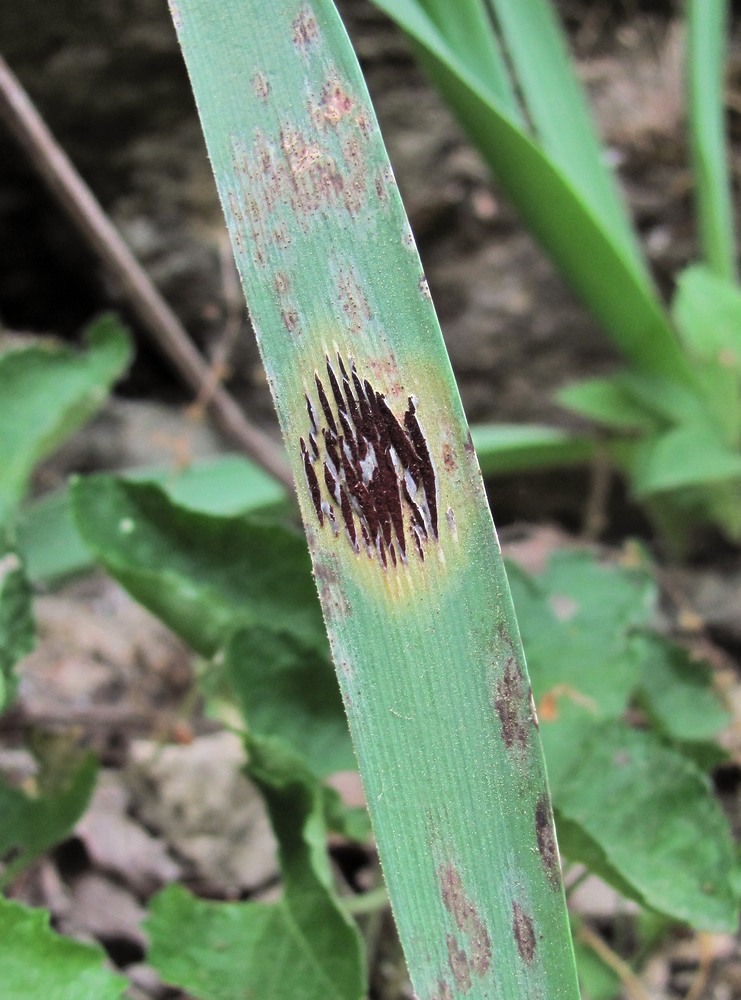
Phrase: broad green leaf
(30, 825)
(596, 263)
(229, 485)
(46, 392)
(17, 628)
(514, 447)
(609, 401)
(203, 575)
(707, 34)
(654, 816)
(288, 690)
(303, 946)
(678, 692)
(692, 455)
(577, 621)
(707, 312)
(38, 964)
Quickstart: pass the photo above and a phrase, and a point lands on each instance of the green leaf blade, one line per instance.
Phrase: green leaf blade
(303, 946)
(707, 30)
(645, 813)
(17, 625)
(597, 265)
(31, 825)
(47, 392)
(35, 962)
(204, 575)
(424, 641)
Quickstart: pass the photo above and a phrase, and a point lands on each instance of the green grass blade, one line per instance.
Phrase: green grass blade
(598, 267)
(559, 113)
(707, 29)
(516, 447)
(424, 639)
(467, 28)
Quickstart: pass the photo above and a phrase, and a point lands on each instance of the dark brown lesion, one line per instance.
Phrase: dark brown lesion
(368, 470)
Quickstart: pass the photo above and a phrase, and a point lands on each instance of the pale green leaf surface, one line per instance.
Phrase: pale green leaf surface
(30, 825)
(596, 264)
(228, 485)
(46, 392)
(303, 946)
(38, 964)
(202, 574)
(17, 627)
(707, 311)
(654, 816)
(504, 448)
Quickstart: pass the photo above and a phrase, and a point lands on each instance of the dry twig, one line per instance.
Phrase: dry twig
(158, 319)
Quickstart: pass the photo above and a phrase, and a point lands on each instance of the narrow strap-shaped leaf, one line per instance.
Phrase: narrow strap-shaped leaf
(707, 27)
(405, 557)
(611, 281)
(557, 108)
(467, 27)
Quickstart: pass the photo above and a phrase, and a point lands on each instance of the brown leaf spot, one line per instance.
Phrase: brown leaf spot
(305, 29)
(290, 319)
(510, 705)
(449, 458)
(467, 920)
(354, 303)
(522, 927)
(260, 85)
(443, 991)
(546, 838)
(458, 962)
